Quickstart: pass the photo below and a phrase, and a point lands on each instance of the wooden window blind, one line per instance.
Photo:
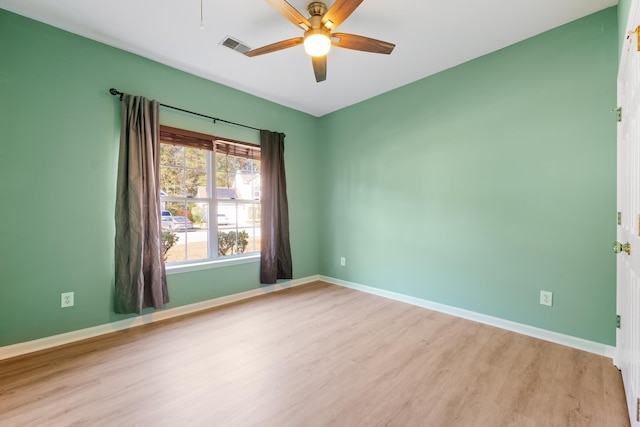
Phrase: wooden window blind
(202, 141)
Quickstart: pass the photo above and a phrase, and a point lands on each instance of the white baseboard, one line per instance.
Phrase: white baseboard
(69, 337)
(555, 337)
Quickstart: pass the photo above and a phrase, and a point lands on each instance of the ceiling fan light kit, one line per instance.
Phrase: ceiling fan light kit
(318, 38)
(317, 42)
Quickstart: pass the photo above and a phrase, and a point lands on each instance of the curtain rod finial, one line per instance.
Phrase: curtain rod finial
(113, 91)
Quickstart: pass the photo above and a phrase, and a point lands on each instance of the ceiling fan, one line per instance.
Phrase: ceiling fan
(318, 37)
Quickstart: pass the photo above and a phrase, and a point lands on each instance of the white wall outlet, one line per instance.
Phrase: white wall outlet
(66, 299)
(546, 298)
(343, 261)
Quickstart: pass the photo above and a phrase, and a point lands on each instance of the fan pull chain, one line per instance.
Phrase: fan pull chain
(201, 17)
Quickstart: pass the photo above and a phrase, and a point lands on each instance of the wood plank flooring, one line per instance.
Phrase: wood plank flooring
(315, 355)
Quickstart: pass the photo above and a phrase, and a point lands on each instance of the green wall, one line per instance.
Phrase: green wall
(476, 187)
(484, 184)
(59, 131)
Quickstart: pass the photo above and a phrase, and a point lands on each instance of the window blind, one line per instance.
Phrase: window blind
(202, 141)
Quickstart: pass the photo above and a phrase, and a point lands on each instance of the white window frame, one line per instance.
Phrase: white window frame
(214, 260)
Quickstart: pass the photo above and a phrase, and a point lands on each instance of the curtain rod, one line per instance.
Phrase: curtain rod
(116, 92)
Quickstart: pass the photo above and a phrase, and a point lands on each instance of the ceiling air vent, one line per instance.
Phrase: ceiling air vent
(236, 45)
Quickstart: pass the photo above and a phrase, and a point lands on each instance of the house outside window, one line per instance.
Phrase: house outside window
(210, 196)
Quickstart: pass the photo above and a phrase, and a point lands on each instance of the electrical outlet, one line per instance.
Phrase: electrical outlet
(343, 261)
(66, 299)
(546, 298)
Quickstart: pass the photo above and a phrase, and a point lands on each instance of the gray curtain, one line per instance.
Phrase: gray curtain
(140, 274)
(275, 251)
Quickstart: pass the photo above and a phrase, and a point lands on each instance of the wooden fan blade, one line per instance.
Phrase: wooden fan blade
(284, 44)
(340, 11)
(290, 13)
(366, 44)
(320, 67)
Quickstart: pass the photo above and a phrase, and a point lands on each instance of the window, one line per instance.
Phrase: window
(210, 196)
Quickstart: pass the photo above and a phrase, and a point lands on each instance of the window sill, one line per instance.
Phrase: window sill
(206, 265)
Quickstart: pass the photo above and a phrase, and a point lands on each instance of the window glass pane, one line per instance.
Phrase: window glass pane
(245, 214)
(196, 158)
(253, 228)
(196, 183)
(225, 177)
(253, 177)
(172, 181)
(256, 187)
(248, 184)
(254, 214)
(173, 249)
(228, 209)
(173, 241)
(225, 180)
(228, 236)
(243, 164)
(173, 208)
(238, 228)
(224, 192)
(171, 155)
(222, 163)
(197, 237)
(172, 172)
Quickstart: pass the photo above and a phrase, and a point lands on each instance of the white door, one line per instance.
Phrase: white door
(628, 264)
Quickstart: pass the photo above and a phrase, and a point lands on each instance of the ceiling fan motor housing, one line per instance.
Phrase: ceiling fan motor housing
(317, 9)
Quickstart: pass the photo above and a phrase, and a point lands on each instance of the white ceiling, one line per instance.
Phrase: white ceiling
(430, 36)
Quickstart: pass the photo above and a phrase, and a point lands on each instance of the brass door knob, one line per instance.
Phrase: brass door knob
(622, 247)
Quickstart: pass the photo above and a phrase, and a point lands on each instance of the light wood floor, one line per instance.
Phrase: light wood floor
(315, 355)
